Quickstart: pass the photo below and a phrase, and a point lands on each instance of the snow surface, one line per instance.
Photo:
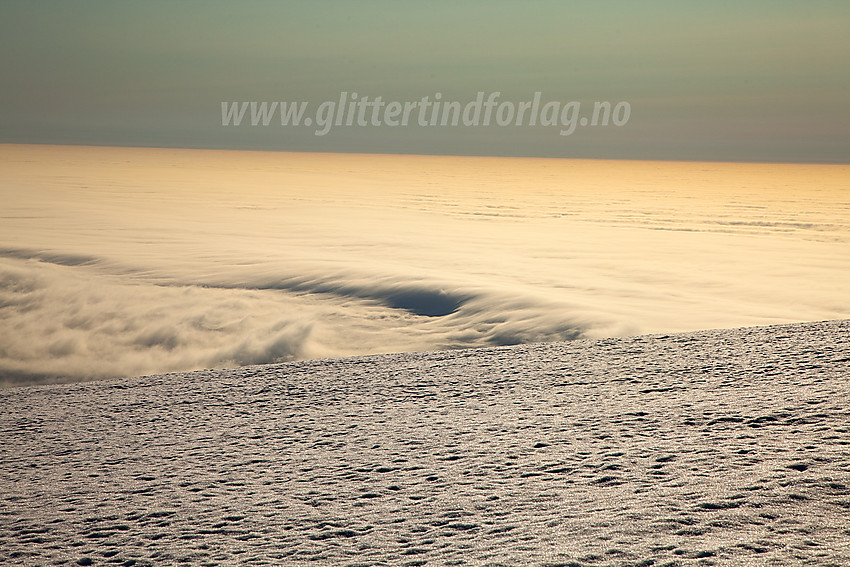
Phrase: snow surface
(706, 448)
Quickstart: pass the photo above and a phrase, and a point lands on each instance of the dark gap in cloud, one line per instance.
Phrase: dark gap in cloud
(423, 299)
(428, 303)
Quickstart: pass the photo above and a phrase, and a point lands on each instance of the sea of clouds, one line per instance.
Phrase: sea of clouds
(118, 262)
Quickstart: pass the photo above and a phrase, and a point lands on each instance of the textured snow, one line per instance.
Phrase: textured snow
(706, 448)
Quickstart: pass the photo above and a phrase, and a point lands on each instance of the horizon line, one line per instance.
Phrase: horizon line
(412, 154)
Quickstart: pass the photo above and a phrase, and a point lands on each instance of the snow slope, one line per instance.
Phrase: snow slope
(707, 448)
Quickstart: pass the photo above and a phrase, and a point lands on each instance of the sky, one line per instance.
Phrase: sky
(720, 81)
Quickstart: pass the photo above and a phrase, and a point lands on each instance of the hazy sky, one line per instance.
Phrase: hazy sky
(752, 81)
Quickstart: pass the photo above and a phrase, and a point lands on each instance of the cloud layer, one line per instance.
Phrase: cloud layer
(117, 262)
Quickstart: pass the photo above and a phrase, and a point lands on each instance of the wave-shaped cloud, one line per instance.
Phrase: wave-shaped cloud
(76, 321)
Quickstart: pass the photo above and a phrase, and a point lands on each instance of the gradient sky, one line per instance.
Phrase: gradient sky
(739, 81)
